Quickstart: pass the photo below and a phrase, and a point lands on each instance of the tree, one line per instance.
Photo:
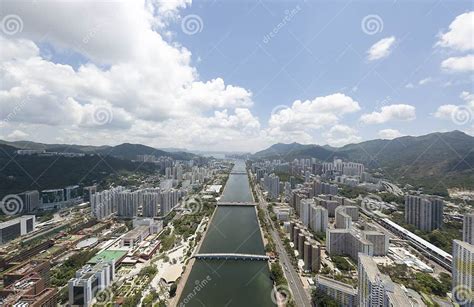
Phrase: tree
(173, 289)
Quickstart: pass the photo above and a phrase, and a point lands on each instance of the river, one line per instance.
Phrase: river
(216, 283)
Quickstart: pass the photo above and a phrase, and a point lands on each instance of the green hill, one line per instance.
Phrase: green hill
(436, 161)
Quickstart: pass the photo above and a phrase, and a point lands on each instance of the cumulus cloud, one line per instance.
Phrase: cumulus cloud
(400, 112)
(123, 68)
(461, 33)
(17, 135)
(451, 111)
(460, 38)
(389, 134)
(459, 64)
(313, 114)
(381, 49)
(340, 135)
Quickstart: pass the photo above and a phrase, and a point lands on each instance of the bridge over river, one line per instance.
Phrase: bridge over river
(231, 256)
(243, 204)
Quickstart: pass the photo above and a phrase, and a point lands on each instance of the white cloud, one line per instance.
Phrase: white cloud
(146, 84)
(17, 135)
(340, 135)
(299, 122)
(389, 134)
(313, 114)
(459, 64)
(445, 111)
(461, 33)
(452, 112)
(409, 85)
(425, 81)
(381, 49)
(402, 112)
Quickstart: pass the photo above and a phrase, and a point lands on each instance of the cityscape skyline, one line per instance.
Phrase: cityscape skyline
(257, 153)
(224, 76)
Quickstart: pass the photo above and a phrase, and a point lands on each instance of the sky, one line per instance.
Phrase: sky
(234, 75)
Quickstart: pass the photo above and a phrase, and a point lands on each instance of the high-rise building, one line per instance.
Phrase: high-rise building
(16, 227)
(463, 273)
(88, 192)
(377, 289)
(318, 219)
(468, 228)
(272, 186)
(31, 201)
(260, 174)
(345, 215)
(347, 242)
(379, 241)
(324, 188)
(150, 204)
(424, 212)
(127, 205)
(89, 280)
(342, 293)
(304, 211)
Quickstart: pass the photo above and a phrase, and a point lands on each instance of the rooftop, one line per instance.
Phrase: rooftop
(108, 255)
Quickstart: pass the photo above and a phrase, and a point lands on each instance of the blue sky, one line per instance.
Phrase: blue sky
(318, 53)
(323, 50)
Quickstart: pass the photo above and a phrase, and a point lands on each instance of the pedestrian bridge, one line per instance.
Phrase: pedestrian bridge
(246, 204)
(238, 173)
(231, 256)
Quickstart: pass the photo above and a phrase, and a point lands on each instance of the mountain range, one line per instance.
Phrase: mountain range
(19, 173)
(125, 151)
(435, 161)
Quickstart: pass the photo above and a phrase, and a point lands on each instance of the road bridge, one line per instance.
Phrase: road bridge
(231, 256)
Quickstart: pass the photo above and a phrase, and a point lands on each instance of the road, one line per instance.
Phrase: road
(300, 295)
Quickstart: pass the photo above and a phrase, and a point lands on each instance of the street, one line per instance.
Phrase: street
(300, 295)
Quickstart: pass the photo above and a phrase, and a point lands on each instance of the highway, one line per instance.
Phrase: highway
(300, 295)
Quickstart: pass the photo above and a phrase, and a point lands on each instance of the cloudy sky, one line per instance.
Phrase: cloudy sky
(234, 75)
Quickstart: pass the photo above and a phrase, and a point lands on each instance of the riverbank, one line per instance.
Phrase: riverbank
(233, 229)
